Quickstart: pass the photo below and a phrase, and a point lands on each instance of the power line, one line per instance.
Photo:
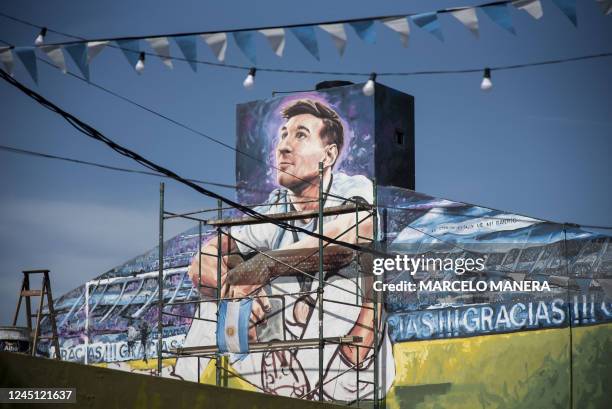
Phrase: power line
(322, 72)
(143, 172)
(93, 133)
(103, 166)
(175, 122)
(184, 126)
(188, 128)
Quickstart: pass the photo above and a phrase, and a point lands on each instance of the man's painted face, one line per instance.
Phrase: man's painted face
(299, 151)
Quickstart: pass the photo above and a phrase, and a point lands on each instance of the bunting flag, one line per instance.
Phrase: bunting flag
(499, 14)
(27, 56)
(246, 42)
(161, 46)
(78, 52)
(568, 7)
(276, 38)
(217, 43)
(468, 18)
(606, 6)
(365, 30)
(131, 50)
(306, 36)
(428, 22)
(55, 54)
(94, 48)
(6, 56)
(187, 45)
(399, 25)
(338, 35)
(533, 7)
(83, 52)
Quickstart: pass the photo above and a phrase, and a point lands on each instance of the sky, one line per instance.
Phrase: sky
(539, 143)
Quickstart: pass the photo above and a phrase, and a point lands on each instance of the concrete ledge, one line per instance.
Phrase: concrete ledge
(106, 388)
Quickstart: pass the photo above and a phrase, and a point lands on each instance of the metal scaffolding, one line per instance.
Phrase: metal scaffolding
(292, 264)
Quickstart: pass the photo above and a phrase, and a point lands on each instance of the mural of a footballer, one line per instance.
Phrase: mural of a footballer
(286, 306)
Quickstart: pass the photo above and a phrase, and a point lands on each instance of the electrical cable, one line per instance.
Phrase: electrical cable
(187, 127)
(215, 140)
(115, 168)
(103, 166)
(193, 130)
(93, 133)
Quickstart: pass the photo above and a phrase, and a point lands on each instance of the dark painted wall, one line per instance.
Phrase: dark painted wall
(106, 388)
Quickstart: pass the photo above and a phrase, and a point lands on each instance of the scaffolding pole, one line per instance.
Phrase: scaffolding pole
(160, 282)
(320, 341)
(266, 346)
(320, 281)
(199, 283)
(218, 363)
(376, 296)
(287, 216)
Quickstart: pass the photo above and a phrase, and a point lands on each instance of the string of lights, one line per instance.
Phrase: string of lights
(215, 140)
(182, 125)
(186, 127)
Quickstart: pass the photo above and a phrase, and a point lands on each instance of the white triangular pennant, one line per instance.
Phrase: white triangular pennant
(336, 31)
(161, 45)
(533, 7)
(276, 38)
(218, 44)
(400, 26)
(6, 57)
(468, 18)
(94, 48)
(606, 6)
(55, 53)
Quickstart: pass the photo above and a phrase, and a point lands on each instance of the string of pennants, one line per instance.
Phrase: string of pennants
(84, 51)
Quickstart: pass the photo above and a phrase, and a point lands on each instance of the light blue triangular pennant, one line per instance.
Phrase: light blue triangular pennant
(78, 52)
(27, 56)
(245, 40)
(187, 44)
(306, 35)
(365, 30)
(429, 22)
(499, 14)
(568, 7)
(131, 50)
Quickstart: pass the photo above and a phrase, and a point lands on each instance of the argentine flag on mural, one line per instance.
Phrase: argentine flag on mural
(233, 326)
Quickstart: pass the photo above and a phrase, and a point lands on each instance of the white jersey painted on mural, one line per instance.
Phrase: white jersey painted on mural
(296, 374)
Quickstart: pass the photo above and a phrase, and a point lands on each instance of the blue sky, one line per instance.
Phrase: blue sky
(538, 144)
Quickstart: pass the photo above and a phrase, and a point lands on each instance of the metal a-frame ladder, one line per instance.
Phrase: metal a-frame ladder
(25, 294)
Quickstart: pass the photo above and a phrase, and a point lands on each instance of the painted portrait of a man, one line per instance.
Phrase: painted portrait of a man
(310, 132)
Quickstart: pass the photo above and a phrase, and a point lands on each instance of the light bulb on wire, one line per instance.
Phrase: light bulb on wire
(368, 88)
(40, 38)
(140, 66)
(486, 83)
(249, 81)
